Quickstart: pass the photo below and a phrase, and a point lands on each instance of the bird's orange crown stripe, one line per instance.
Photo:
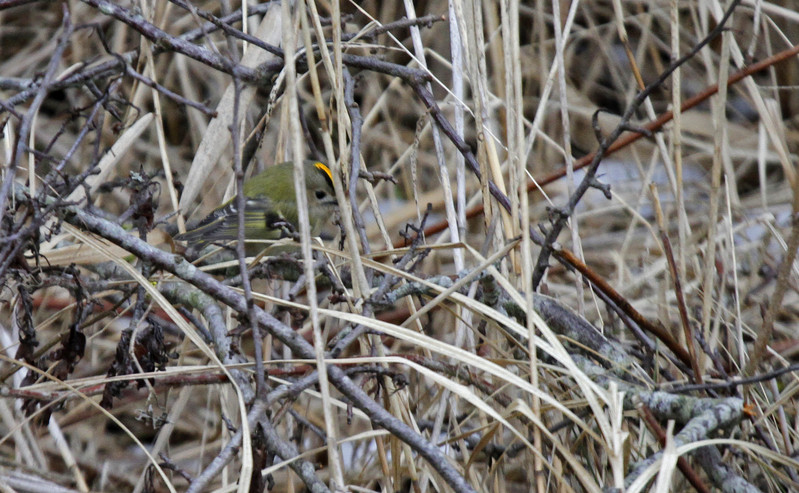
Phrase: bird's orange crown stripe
(324, 169)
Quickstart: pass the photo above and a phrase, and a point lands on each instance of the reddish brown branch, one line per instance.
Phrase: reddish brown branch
(570, 259)
(678, 292)
(599, 282)
(657, 430)
(626, 140)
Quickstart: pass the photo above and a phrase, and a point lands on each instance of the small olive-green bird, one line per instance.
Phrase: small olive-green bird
(270, 204)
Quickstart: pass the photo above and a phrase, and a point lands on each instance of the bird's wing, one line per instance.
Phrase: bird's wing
(261, 221)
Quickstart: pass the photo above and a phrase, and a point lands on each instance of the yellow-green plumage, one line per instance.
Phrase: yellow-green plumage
(270, 201)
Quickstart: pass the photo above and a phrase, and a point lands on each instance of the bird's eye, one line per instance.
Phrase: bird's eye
(320, 194)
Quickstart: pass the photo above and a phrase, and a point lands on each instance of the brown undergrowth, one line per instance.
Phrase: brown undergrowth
(564, 258)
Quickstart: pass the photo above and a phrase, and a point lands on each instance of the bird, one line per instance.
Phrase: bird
(270, 209)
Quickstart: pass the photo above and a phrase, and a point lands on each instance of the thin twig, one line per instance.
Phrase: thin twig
(678, 291)
(589, 180)
(657, 430)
